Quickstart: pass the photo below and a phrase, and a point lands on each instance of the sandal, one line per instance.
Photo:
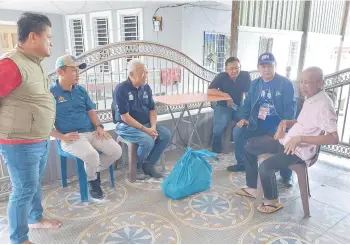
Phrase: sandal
(274, 208)
(245, 193)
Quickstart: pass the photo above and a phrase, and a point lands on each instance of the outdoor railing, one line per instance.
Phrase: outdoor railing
(169, 72)
(172, 72)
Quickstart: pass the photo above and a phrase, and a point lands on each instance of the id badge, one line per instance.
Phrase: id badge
(234, 106)
(263, 112)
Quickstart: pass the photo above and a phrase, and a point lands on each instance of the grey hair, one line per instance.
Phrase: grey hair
(316, 70)
(132, 65)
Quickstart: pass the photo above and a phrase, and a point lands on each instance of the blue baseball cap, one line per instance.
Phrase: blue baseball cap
(267, 58)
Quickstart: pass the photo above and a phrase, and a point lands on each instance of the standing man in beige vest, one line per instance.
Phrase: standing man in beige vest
(27, 115)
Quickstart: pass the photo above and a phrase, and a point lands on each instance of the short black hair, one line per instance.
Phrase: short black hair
(231, 59)
(31, 22)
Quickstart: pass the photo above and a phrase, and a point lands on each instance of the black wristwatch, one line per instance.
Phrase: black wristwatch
(100, 125)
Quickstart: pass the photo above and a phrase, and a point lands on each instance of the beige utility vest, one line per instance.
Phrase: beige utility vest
(28, 112)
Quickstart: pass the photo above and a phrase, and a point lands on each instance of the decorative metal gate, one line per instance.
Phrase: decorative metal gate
(161, 61)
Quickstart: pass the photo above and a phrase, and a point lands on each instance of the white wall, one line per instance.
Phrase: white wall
(248, 47)
(170, 35)
(58, 33)
(320, 51)
(197, 20)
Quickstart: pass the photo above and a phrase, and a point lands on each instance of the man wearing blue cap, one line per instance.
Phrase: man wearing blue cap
(78, 126)
(270, 99)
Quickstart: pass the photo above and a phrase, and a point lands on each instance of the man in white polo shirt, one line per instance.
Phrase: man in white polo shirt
(298, 145)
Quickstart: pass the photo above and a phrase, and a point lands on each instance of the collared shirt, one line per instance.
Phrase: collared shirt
(138, 102)
(235, 88)
(72, 109)
(317, 115)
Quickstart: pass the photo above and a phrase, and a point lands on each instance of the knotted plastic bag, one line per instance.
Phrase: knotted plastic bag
(191, 174)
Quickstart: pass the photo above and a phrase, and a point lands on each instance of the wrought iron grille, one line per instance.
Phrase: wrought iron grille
(194, 78)
(216, 50)
(77, 36)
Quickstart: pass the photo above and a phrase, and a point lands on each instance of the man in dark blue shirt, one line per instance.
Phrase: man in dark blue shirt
(232, 82)
(136, 118)
(270, 99)
(77, 124)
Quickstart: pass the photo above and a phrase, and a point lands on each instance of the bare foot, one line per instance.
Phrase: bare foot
(27, 242)
(46, 224)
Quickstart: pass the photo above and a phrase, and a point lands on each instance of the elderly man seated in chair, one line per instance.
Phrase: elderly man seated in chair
(136, 117)
(298, 145)
(78, 127)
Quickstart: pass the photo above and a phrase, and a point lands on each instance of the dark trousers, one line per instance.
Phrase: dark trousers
(260, 145)
(242, 135)
(222, 117)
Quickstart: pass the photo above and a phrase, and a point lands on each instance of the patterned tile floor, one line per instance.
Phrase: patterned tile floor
(139, 213)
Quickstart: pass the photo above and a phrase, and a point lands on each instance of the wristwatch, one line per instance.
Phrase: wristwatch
(100, 125)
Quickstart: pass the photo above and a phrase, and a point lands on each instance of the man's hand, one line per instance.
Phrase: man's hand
(281, 130)
(289, 148)
(155, 130)
(70, 137)
(151, 132)
(242, 123)
(229, 103)
(101, 134)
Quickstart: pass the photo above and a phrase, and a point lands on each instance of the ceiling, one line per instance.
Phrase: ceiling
(86, 6)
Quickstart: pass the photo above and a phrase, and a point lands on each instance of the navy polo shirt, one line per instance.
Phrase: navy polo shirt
(235, 88)
(138, 102)
(72, 109)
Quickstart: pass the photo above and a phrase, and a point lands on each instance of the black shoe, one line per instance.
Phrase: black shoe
(140, 175)
(236, 168)
(287, 183)
(150, 170)
(95, 189)
(98, 177)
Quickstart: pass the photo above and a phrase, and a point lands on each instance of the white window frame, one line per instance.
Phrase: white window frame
(122, 12)
(102, 14)
(135, 11)
(108, 15)
(81, 17)
(3, 22)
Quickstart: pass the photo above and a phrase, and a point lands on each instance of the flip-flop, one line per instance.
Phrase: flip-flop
(275, 208)
(244, 192)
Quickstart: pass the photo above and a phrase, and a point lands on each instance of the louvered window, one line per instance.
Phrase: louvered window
(130, 28)
(77, 36)
(101, 37)
(293, 53)
(216, 50)
(265, 45)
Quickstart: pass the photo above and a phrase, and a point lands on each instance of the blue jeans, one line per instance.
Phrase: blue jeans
(222, 117)
(241, 136)
(149, 150)
(26, 164)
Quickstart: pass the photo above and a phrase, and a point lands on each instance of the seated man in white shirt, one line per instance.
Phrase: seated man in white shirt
(298, 145)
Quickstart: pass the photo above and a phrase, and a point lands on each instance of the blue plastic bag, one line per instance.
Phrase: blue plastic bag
(191, 174)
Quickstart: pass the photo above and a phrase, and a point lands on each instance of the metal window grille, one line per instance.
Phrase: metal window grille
(101, 37)
(129, 32)
(216, 50)
(265, 45)
(77, 36)
(130, 28)
(293, 53)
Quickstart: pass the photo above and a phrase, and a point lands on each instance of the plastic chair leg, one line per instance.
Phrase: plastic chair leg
(111, 173)
(63, 171)
(84, 192)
